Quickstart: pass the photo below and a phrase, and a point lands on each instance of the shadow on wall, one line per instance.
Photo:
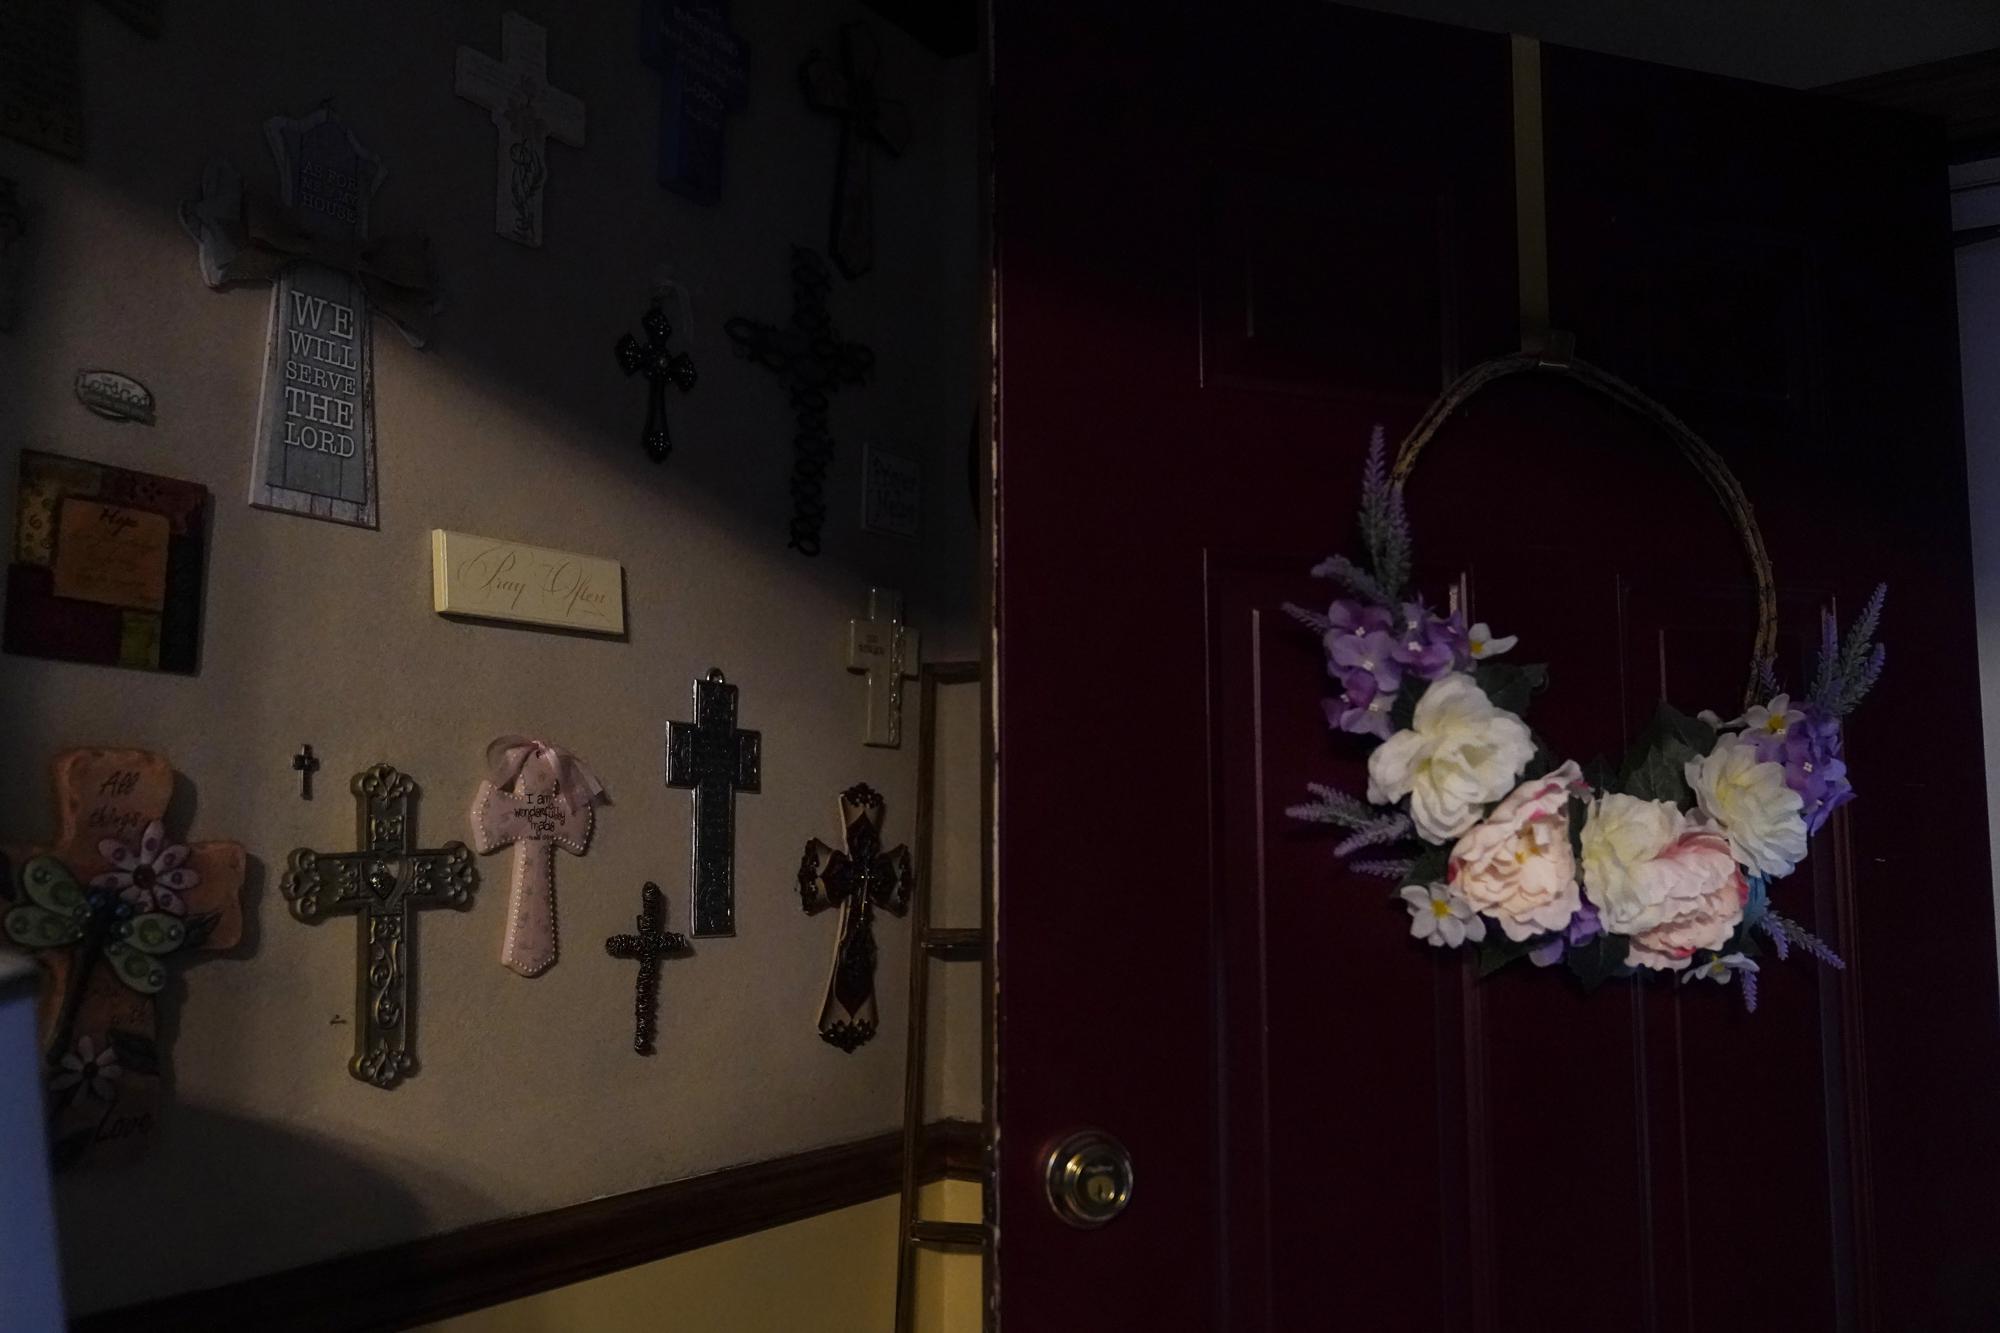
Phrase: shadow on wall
(326, 1194)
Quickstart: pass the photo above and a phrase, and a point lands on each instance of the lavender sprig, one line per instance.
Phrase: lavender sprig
(1849, 667)
(1779, 940)
(1330, 805)
(1387, 828)
(1749, 990)
(1795, 933)
(1385, 525)
(1354, 578)
(1385, 869)
(1311, 619)
(1768, 683)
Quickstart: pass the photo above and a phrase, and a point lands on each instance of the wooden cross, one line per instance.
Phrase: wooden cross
(715, 759)
(527, 113)
(886, 650)
(305, 764)
(812, 361)
(536, 818)
(661, 367)
(857, 881)
(381, 882)
(84, 907)
(846, 88)
(651, 942)
(705, 75)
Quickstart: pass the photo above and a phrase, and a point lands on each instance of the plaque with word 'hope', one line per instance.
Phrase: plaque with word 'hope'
(316, 419)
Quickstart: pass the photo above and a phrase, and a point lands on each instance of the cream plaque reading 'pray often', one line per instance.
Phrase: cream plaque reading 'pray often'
(502, 580)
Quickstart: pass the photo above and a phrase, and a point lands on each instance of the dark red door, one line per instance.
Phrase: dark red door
(1231, 239)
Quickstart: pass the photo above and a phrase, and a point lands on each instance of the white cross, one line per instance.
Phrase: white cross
(888, 651)
(527, 112)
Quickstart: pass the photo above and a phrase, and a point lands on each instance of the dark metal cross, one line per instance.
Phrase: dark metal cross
(812, 361)
(649, 943)
(305, 765)
(382, 882)
(846, 88)
(660, 367)
(857, 881)
(715, 759)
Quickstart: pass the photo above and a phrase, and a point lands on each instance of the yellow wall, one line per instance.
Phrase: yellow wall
(835, 1273)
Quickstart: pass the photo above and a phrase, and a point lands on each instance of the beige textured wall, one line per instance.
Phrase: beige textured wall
(517, 425)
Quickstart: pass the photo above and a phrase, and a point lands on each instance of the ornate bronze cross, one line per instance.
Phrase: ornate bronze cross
(845, 88)
(812, 361)
(857, 881)
(661, 367)
(381, 882)
(650, 942)
(715, 759)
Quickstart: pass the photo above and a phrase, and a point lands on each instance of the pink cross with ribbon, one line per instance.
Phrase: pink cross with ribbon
(552, 804)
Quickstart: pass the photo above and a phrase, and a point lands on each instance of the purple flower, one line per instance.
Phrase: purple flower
(1810, 750)
(1373, 654)
(1351, 617)
(1431, 647)
(1363, 708)
(1583, 926)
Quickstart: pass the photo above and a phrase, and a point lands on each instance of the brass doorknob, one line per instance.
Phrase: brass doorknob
(1089, 1178)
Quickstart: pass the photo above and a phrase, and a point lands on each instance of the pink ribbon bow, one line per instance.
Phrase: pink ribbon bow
(575, 783)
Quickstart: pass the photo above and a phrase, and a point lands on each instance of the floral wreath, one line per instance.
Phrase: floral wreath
(1661, 864)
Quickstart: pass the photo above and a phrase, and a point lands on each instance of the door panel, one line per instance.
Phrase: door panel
(1229, 242)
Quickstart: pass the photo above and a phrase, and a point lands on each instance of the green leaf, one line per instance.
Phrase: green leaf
(1405, 710)
(1497, 951)
(136, 1053)
(1510, 686)
(1597, 960)
(1429, 866)
(1655, 770)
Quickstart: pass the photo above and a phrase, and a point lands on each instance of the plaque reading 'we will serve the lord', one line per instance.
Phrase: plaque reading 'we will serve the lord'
(492, 579)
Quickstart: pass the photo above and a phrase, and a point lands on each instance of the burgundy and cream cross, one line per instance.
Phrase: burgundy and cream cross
(538, 797)
(858, 880)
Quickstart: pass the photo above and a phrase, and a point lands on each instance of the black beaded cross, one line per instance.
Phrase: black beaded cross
(857, 881)
(305, 764)
(812, 361)
(650, 942)
(845, 88)
(660, 367)
(715, 759)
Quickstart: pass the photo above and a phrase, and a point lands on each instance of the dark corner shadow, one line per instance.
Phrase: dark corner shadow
(257, 1207)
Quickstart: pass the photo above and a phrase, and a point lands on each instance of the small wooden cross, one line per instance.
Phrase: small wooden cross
(811, 360)
(651, 942)
(887, 651)
(704, 72)
(527, 113)
(715, 759)
(857, 881)
(305, 764)
(381, 882)
(536, 817)
(846, 88)
(98, 908)
(661, 367)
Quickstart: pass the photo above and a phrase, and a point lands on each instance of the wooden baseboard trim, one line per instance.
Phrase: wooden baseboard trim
(414, 1283)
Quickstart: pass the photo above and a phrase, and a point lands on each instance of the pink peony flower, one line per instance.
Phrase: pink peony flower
(1516, 865)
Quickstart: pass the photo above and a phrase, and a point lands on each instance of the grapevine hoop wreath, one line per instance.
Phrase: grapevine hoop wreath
(1659, 865)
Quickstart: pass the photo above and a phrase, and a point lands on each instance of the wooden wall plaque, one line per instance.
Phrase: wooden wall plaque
(489, 578)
